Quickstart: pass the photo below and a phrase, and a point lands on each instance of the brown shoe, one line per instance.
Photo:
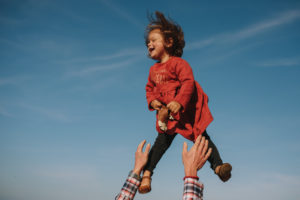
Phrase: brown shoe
(224, 172)
(145, 186)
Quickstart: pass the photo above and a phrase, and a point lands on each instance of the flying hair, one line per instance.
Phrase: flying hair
(170, 30)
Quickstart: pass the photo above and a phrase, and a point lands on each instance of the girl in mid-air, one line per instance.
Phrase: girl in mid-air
(181, 104)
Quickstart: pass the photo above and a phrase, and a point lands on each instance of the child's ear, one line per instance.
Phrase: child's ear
(169, 42)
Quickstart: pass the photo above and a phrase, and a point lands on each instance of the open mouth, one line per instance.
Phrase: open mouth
(150, 49)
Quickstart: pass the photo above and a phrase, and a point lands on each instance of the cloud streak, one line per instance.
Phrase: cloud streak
(248, 32)
(117, 60)
(10, 21)
(286, 62)
(133, 52)
(261, 27)
(123, 13)
(12, 80)
(86, 71)
(3, 112)
(54, 114)
(275, 186)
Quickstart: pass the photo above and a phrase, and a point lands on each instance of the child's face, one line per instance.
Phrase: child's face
(156, 45)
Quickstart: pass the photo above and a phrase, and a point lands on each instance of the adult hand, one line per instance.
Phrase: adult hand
(141, 157)
(194, 159)
(174, 106)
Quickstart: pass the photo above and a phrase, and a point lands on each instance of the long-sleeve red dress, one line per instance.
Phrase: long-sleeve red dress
(174, 81)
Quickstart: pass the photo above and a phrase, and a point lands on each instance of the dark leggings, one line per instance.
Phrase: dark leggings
(163, 142)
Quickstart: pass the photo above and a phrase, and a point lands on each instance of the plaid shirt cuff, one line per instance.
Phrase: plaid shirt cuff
(129, 189)
(193, 190)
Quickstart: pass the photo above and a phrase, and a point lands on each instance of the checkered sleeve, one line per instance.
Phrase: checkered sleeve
(129, 189)
(193, 189)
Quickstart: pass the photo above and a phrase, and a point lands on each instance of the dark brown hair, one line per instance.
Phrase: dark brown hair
(170, 31)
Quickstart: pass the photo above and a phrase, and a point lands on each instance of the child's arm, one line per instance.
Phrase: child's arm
(153, 104)
(186, 78)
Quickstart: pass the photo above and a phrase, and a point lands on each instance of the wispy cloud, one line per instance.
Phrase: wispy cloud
(129, 52)
(13, 44)
(52, 113)
(12, 80)
(67, 181)
(10, 21)
(5, 113)
(63, 172)
(38, 44)
(286, 62)
(275, 186)
(123, 13)
(248, 32)
(282, 19)
(201, 44)
(270, 186)
(91, 70)
(72, 14)
(95, 86)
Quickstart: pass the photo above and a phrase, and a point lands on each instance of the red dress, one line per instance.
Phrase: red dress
(174, 80)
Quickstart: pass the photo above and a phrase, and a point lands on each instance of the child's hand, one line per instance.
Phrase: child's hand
(174, 106)
(156, 105)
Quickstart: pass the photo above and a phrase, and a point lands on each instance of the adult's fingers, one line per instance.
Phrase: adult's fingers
(184, 149)
(201, 145)
(208, 154)
(197, 142)
(147, 148)
(141, 145)
(205, 148)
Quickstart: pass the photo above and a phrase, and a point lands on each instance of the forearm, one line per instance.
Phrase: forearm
(185, 93)
(187, 82)
(129, 188)
(150, 94)
(193, 189)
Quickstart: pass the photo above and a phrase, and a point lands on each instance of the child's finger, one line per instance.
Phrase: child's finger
(170, 106)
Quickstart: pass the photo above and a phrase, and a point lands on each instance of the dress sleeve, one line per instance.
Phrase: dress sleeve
(150, 95)
(186, 78)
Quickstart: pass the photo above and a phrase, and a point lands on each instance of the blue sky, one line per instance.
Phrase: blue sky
(73, 107)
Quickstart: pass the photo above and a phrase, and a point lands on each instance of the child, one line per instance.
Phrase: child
(179, 100)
